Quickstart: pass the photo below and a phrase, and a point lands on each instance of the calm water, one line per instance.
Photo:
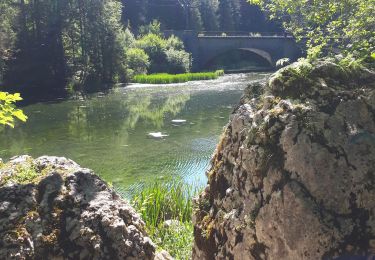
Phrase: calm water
(108, 132)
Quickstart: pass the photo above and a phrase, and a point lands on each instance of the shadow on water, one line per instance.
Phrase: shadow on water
(239, 60)
(54, 91)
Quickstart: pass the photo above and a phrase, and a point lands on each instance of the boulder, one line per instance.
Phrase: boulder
(51, 208)
(293, 176)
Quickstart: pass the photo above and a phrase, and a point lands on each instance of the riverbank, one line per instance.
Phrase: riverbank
(161, 210)
(52, 208)
(164, 78)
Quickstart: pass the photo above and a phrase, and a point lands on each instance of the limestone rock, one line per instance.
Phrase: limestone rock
(294, 174)
(51, 208)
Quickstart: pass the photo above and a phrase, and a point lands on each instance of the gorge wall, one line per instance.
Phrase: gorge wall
(294, 174)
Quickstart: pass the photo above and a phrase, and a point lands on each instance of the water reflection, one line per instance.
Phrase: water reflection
(144, 106)
(108, 133)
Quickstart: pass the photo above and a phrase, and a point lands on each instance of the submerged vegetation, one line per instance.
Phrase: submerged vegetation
(166, 208)
(164, 78)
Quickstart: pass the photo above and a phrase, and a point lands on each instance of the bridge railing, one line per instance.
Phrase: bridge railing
(227, 33)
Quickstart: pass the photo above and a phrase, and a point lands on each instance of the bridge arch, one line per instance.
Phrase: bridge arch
(206, 46)
(257, 56)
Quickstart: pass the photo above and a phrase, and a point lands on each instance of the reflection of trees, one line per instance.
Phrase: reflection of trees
(141, 106)
(78, 123)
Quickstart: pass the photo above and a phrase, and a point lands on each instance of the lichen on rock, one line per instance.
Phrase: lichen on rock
(294, 174)
(58, 210)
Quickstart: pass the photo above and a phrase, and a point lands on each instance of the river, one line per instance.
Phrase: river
(108, 132)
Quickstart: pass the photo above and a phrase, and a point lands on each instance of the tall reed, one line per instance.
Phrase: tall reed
(164, 78)
(164, 200)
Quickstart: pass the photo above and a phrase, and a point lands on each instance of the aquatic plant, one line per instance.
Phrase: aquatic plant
(164, 78)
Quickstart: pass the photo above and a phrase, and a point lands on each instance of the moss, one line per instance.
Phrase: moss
(32, 214)
(22, 175)
(56, 212)
(213, 172)
(51, 238)
(20, 232)
(207, 226)
(276, 111)
(203, 204)
(26, 173)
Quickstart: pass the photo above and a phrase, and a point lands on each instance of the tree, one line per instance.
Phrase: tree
(210, 19)
(195, 18)
(165, 55)
(138, 60)
(8, 14)
(329, 27)
(57, 40)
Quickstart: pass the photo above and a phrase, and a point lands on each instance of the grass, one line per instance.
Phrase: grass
(168, 200)
(164, 78)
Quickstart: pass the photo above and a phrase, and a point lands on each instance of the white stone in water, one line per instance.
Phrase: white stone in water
(178, 121)
(157, 135)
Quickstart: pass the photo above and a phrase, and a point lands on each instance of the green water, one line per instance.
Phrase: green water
(108, 132)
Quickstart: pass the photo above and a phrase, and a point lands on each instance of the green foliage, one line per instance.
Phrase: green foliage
(137, 60)
(164, 78)
(164, 200)
(175, 43)
(45, 41)
(8, 14)
(24, 174)
(166, 55)
(155, 46)
(176, 239)
(8, 111)
(168, 200)
(178, 61)
(328, 26)
(151, 28)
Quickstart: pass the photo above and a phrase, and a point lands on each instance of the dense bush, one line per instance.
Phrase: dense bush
(165, 55)
(174, 42)
(138, 61)
(154, 45)
(178, 61)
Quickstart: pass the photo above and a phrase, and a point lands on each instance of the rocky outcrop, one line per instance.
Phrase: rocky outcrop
(294, 174)
(51, 208)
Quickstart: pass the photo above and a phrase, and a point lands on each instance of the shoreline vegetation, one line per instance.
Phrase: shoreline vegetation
(165, 78)
(166, 207)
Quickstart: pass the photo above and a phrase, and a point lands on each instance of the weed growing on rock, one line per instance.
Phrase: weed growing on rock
(23, 174)
(166, 208)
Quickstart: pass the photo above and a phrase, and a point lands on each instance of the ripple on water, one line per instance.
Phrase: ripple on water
(97, 130)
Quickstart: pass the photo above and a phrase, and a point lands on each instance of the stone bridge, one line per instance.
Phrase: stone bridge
(207, 46)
